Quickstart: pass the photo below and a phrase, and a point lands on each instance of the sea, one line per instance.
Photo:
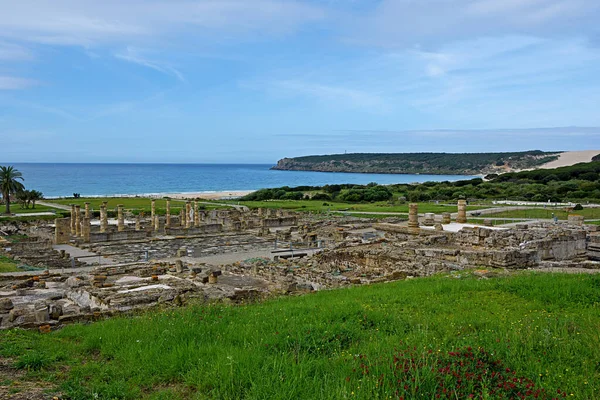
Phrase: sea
(62, 179)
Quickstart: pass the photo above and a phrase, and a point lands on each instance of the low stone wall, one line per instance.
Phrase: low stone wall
(117, 236)
(279, 222)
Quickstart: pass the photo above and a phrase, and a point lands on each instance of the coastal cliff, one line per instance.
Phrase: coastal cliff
(419, 163)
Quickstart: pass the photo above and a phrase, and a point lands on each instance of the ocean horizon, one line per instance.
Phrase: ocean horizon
(119, 179)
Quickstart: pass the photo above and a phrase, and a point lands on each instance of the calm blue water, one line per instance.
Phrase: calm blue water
(55, 180)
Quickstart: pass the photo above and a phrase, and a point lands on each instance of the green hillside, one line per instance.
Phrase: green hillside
(419, 163)
(524, 336)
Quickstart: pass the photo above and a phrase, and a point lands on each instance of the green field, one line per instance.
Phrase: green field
(16, 208)
(593, 213)
(324, 206)
(8, 265)
(531, 334)
(129, 203)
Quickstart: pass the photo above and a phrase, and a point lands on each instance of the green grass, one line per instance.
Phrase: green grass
(359, 343)
(318, 206)
(8, 265)
(16, 208)
(129, 203)
(546, 213)
(374, 216)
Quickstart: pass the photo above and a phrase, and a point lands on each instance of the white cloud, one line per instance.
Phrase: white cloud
(91, 22)
(404, 23)
(13, 52)
(133, 55)
(14, 83)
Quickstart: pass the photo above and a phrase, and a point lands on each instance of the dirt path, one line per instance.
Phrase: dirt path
(54, 205)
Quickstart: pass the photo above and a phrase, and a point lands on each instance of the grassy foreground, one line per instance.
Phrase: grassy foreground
(525, 336)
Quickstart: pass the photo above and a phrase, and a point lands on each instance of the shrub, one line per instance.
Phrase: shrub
(321, 196)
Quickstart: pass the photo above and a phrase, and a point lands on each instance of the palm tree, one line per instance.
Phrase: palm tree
(23, 198)
(9, 184)
(34, 196)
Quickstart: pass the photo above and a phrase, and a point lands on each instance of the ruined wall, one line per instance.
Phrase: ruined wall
(279, 222)
(116, 236)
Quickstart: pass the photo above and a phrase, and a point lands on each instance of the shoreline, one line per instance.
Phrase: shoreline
(207, 195)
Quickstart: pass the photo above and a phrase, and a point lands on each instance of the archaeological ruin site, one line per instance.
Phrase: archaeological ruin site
(89, 269)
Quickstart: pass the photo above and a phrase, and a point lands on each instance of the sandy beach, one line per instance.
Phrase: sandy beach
(226, 195)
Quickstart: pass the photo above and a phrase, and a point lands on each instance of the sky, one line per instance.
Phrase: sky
(253, 81)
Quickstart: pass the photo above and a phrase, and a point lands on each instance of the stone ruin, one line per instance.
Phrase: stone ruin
(237, 256)
(81, 228)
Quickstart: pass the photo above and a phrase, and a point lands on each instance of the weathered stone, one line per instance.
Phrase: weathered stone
(72, 219)
(5, 305)
(461, 217)
(152, 210)
(62, 230)
(413, 215)
(178, 266)
(42, 315)
(77, 220)
(120, 218)
(446, 218)
(168, 214)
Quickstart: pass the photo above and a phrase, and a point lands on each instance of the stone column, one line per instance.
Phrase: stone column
(77, 220)
(461, 218)
(446, 218)
(62, 230)
(188, 214)
(152, 210)
(168, 215)
(196, 216)
(413, 215)
(120, 219)
(138, 223)
(156, 222)
(429, 219)
(86, 229)
(103, 218)
(72, 219)
(87, 210)
(182, 217)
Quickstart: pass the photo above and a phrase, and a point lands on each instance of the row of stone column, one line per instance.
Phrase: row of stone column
(186, 219)
(185, 215)
(81, 227)
(413, 215)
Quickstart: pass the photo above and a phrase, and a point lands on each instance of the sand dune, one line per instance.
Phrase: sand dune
(571, 157)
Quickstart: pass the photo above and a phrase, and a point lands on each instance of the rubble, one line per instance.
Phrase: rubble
(274, 252)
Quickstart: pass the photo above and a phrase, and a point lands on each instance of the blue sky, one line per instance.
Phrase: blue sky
(258, 80)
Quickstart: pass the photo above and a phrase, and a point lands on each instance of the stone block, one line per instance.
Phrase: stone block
(6, 305)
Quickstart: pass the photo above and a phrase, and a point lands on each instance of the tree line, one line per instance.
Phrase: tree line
(575, 183)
